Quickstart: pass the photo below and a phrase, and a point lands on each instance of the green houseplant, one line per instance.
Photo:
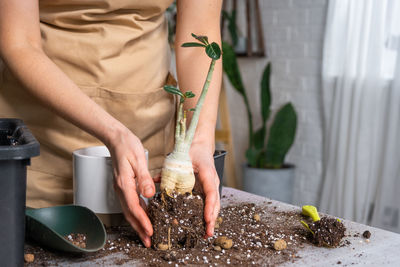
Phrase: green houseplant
(177, 173)
(267, 148)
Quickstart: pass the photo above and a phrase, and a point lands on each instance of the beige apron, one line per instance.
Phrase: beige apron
(117, 52)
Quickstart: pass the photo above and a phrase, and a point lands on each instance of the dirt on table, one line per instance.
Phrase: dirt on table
(327, 232)
(366, 234)
(253, 231)
(78, 240)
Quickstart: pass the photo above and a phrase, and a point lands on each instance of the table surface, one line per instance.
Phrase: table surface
(382, 250)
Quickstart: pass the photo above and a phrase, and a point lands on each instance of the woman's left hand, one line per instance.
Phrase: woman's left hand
(207, 177)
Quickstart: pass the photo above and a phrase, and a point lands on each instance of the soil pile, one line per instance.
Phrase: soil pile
(177, 221)
(327, 232)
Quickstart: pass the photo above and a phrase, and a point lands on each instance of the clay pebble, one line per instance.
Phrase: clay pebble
(280, 245)
(223, 242)
(29, 257)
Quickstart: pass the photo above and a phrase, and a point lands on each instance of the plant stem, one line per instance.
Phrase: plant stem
(178, 119)
(196, 115)
(183, 125)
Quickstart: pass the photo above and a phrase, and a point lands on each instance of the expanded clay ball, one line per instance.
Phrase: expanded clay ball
(280, 244)
(218, 222)
(217, 248)
(162, 246)
(256, 217)
(29, 257)
(223, 242)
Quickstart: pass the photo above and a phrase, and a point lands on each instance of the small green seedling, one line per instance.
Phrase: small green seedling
(311, 212)
(306, 226)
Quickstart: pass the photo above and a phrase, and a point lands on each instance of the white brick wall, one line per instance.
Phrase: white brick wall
(294, 31)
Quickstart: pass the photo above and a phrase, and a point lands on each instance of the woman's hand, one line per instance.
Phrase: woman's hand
(132, 178)
(207, 177)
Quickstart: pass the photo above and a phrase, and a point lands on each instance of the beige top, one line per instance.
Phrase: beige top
(117, 52)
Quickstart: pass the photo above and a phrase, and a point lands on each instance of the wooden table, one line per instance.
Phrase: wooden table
(382, 250)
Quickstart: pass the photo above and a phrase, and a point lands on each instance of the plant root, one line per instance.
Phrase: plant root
(169, 238)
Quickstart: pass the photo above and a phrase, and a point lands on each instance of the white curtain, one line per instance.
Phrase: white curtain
(361, 108)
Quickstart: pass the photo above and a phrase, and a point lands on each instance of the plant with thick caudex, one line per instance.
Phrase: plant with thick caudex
(177, 174)
(261, 154)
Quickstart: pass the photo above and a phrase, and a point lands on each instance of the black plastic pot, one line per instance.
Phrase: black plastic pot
(219, 160)
(17, 147)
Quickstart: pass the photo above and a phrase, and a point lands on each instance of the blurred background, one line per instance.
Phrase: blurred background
(321, 79)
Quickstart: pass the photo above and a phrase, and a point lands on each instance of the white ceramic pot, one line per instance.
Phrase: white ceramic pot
(93, 180)
(275, 184)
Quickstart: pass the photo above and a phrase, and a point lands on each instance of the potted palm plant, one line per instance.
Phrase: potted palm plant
(266, 172)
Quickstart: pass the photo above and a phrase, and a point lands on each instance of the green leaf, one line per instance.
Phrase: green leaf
(231, 68)
(173, 90)
(192, 109)
(203, 39)
(281, 136)
(226, 15)
(259, 138)
(266, 93)
(192, 44)
(306, 226)
(232, 27)
(213, 51)
(253, 157)
(189, 94)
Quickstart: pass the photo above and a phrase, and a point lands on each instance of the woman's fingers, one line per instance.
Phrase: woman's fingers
(125, 186)
(203, 163)
(143, 177)
(136, 216)
(131, 178)
(210, 183)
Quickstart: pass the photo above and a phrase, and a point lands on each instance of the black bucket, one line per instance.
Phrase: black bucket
(17, 147)
(219, 161)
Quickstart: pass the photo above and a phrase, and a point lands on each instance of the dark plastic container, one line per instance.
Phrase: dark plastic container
(17, 147)
(219, 161)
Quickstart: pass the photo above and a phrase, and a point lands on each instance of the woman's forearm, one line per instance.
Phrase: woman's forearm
(45, 81)
(20, 49)
(191, 70)
(201, 18)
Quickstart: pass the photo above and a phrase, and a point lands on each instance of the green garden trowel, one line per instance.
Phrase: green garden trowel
(48, 226)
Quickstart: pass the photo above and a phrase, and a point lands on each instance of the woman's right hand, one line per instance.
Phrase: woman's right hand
(132, 178)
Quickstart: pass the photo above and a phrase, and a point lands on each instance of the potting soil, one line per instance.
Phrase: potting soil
(252, 229)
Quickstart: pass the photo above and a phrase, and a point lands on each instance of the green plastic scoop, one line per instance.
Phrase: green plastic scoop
(48, 226)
